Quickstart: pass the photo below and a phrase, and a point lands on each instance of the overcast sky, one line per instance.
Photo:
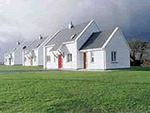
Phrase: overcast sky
(27, 19)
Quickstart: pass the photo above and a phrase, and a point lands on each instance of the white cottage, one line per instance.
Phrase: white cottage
(85, 46)
(14, 57)
(33, 54)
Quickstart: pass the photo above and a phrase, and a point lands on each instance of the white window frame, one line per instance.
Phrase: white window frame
(92, 56)
(113, 56)
(34, 58)
(69, 57)
(25, 59)
(73, 36)
(48, 58)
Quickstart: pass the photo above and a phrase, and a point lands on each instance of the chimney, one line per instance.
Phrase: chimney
(70, 25)
(40, 37)
(18, 43)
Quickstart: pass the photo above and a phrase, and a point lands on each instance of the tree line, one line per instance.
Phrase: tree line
(140, 52)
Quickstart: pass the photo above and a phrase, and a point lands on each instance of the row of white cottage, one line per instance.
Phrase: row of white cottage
(82, 46)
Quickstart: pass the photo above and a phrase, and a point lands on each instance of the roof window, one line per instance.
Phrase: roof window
(38, 45)
(73, 36)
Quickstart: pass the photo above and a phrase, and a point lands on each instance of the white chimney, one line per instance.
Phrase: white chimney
(70, 25)
(40, 37)
(18, 43)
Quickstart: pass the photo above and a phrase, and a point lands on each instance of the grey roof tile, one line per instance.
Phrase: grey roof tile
(65, 35)
(21, 45)
(36, 43)
(97, 39)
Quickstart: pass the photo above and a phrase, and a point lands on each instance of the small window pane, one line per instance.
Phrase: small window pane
(54, 58)
(34, 58)
(69, 57)
(113, 56)
(92, 57)
(25, 59)
(48, 58)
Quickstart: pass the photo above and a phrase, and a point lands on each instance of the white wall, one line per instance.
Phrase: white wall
(44, 57)
(40, 56)
(84, 37)
(27, 62)
(42, 52)
(6, 59)
(7, 56)
(66, 49)
(23, 58)
(50, 64)
(70, 49)
(118, 44)
(79, 60)
(98, 60)
(13, 58)
(17, 57)
(36, 63)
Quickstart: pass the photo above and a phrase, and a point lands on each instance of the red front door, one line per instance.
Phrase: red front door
(60, 62)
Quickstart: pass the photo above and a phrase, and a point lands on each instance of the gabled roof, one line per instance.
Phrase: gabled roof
(66, 35)
(36, 43)
(21, 45)
(97, 39)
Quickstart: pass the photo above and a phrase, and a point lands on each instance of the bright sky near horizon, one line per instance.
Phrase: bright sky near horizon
(27, 19)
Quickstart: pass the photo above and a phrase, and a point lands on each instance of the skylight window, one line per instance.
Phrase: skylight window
(73, 36)
(38, 45)
(15, 49)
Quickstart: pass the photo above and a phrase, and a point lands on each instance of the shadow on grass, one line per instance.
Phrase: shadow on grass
(139, 68)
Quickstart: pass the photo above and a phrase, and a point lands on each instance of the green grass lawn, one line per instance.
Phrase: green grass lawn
(79, 92)
(4, 67)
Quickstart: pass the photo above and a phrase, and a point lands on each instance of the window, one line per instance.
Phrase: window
(92, 57)
(63, 54)
(69, 57)
(25, 59)
(48, 58)
(38, 45)
(73, 36)
(34, 58)
(113, 56)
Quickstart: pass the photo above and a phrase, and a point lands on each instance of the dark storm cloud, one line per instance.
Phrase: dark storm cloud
(29, 18)
(139, 25)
